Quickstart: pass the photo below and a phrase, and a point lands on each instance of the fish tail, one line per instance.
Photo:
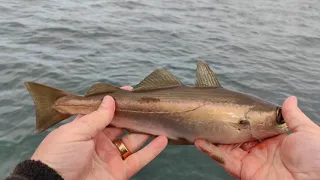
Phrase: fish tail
(44, 98)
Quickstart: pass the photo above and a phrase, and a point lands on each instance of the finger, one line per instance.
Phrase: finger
(211, 150)
(128, 88)
(293, 116)
(134, 141)
(90, 124)
(138, 160)
(249, 145)
(235, 150)
(231, 164)
(113, 133)
(78, 116)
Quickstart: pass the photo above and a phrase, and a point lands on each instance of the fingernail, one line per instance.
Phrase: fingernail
(295, 100)
(129, 88)
(203, 150)
(213, 156)
(201, 144)
(162, 142)
(107, 100)
(217, 158)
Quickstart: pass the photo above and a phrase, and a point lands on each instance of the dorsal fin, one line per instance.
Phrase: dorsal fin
(205, 77)
(159, 78)
(99, 88)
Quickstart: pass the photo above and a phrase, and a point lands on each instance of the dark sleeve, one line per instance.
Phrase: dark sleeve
(33, 170)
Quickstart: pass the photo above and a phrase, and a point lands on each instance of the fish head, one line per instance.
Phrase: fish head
(266, 122)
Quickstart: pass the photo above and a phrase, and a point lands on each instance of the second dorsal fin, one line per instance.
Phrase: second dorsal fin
(99, 88)
(159, 78)
(205, 77)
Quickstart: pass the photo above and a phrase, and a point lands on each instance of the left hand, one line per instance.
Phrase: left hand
(84, 148)
(294, 156)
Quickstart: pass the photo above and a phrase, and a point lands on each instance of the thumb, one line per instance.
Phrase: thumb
(294, 117)
(93, 123)
(223, 157)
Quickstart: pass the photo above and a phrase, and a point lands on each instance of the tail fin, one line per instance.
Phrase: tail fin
(44, 98)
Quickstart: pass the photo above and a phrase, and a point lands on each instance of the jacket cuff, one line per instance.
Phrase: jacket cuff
(33, 170)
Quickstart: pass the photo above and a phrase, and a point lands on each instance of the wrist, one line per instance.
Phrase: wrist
(33, 170)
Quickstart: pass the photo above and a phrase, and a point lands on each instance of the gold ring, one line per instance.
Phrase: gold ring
(123, 149)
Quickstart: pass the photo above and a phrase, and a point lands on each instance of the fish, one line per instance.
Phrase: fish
(162, 105)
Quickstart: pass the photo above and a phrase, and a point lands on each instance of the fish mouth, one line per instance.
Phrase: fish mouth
(279, 119)
(282, 126)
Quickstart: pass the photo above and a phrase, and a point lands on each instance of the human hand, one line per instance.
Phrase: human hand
(293, 156)
(84, 148)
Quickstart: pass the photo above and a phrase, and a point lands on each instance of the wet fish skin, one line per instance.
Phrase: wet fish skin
(161, 105)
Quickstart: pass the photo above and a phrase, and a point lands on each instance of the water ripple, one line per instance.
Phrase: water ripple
(268, 49)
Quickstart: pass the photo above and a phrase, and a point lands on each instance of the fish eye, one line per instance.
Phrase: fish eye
(280, 119)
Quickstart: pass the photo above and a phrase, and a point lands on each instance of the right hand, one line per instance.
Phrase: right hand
(293, 156)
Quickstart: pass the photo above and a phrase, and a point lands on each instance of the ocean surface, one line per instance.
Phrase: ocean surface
(267, 48)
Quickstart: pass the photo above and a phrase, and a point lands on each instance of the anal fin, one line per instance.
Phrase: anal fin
(137, 132)
(171, 141)
(179, 141)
